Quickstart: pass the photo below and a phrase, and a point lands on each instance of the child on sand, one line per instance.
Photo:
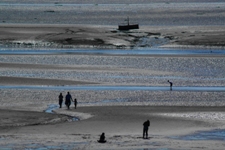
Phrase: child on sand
(75, 103)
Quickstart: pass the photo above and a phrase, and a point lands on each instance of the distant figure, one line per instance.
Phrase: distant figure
(68, 100)
(102, 138)
(75, 103)
(171, 84)
(60, 100)
(146, 124)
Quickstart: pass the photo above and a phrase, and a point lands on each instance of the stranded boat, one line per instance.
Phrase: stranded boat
(128, 26)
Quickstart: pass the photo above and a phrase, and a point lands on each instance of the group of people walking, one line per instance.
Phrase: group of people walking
(68, 100)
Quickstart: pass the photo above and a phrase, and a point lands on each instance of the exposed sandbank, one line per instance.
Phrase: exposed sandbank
(87, 36)
(122, 125)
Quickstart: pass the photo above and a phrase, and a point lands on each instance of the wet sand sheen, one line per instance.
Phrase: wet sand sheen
(120, 87)
(165, 131)
(25, 82)
(121, 123)
(175, 25)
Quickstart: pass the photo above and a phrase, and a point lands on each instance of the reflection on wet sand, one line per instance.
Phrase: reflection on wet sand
(218, 134)
(121, 88)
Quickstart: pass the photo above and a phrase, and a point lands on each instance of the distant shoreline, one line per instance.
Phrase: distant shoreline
(108, 37)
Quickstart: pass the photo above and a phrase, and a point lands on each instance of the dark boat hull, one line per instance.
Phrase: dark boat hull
(128, 27)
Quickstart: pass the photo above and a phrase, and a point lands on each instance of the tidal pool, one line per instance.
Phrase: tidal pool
(218, 134)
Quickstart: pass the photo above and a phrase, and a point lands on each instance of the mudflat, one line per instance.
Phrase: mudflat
(121, 124)
(120, 114)
(87, 36)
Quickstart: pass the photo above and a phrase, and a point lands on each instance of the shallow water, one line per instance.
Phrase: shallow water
(110, 13)
(121, 88)
(204, 135)
(52, 107)
(146, 51)
(113, 69)
(134, 79)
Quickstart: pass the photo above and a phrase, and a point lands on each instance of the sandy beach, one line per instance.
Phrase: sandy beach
(182, 118)
(122, 125)
(120, 114)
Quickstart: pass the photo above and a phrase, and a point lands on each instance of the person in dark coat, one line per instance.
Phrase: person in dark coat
(60, 100)
(171, 84)
(68, 100)
(102, 138)
(146, 124)
(75, 103)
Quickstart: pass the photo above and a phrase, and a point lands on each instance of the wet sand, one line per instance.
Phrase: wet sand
(120, 114)
(171, 113)
(108, 37)
(121, 124)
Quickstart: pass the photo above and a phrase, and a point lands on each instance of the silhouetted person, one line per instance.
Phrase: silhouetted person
(171, 84)
(146, 124)
(60, 100)
(75, 103)
(102, 138)
(68, 100)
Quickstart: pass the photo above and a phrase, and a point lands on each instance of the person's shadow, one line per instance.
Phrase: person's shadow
(148, 138)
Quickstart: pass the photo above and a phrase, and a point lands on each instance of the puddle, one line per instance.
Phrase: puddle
(204, 135)
(52, 107)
